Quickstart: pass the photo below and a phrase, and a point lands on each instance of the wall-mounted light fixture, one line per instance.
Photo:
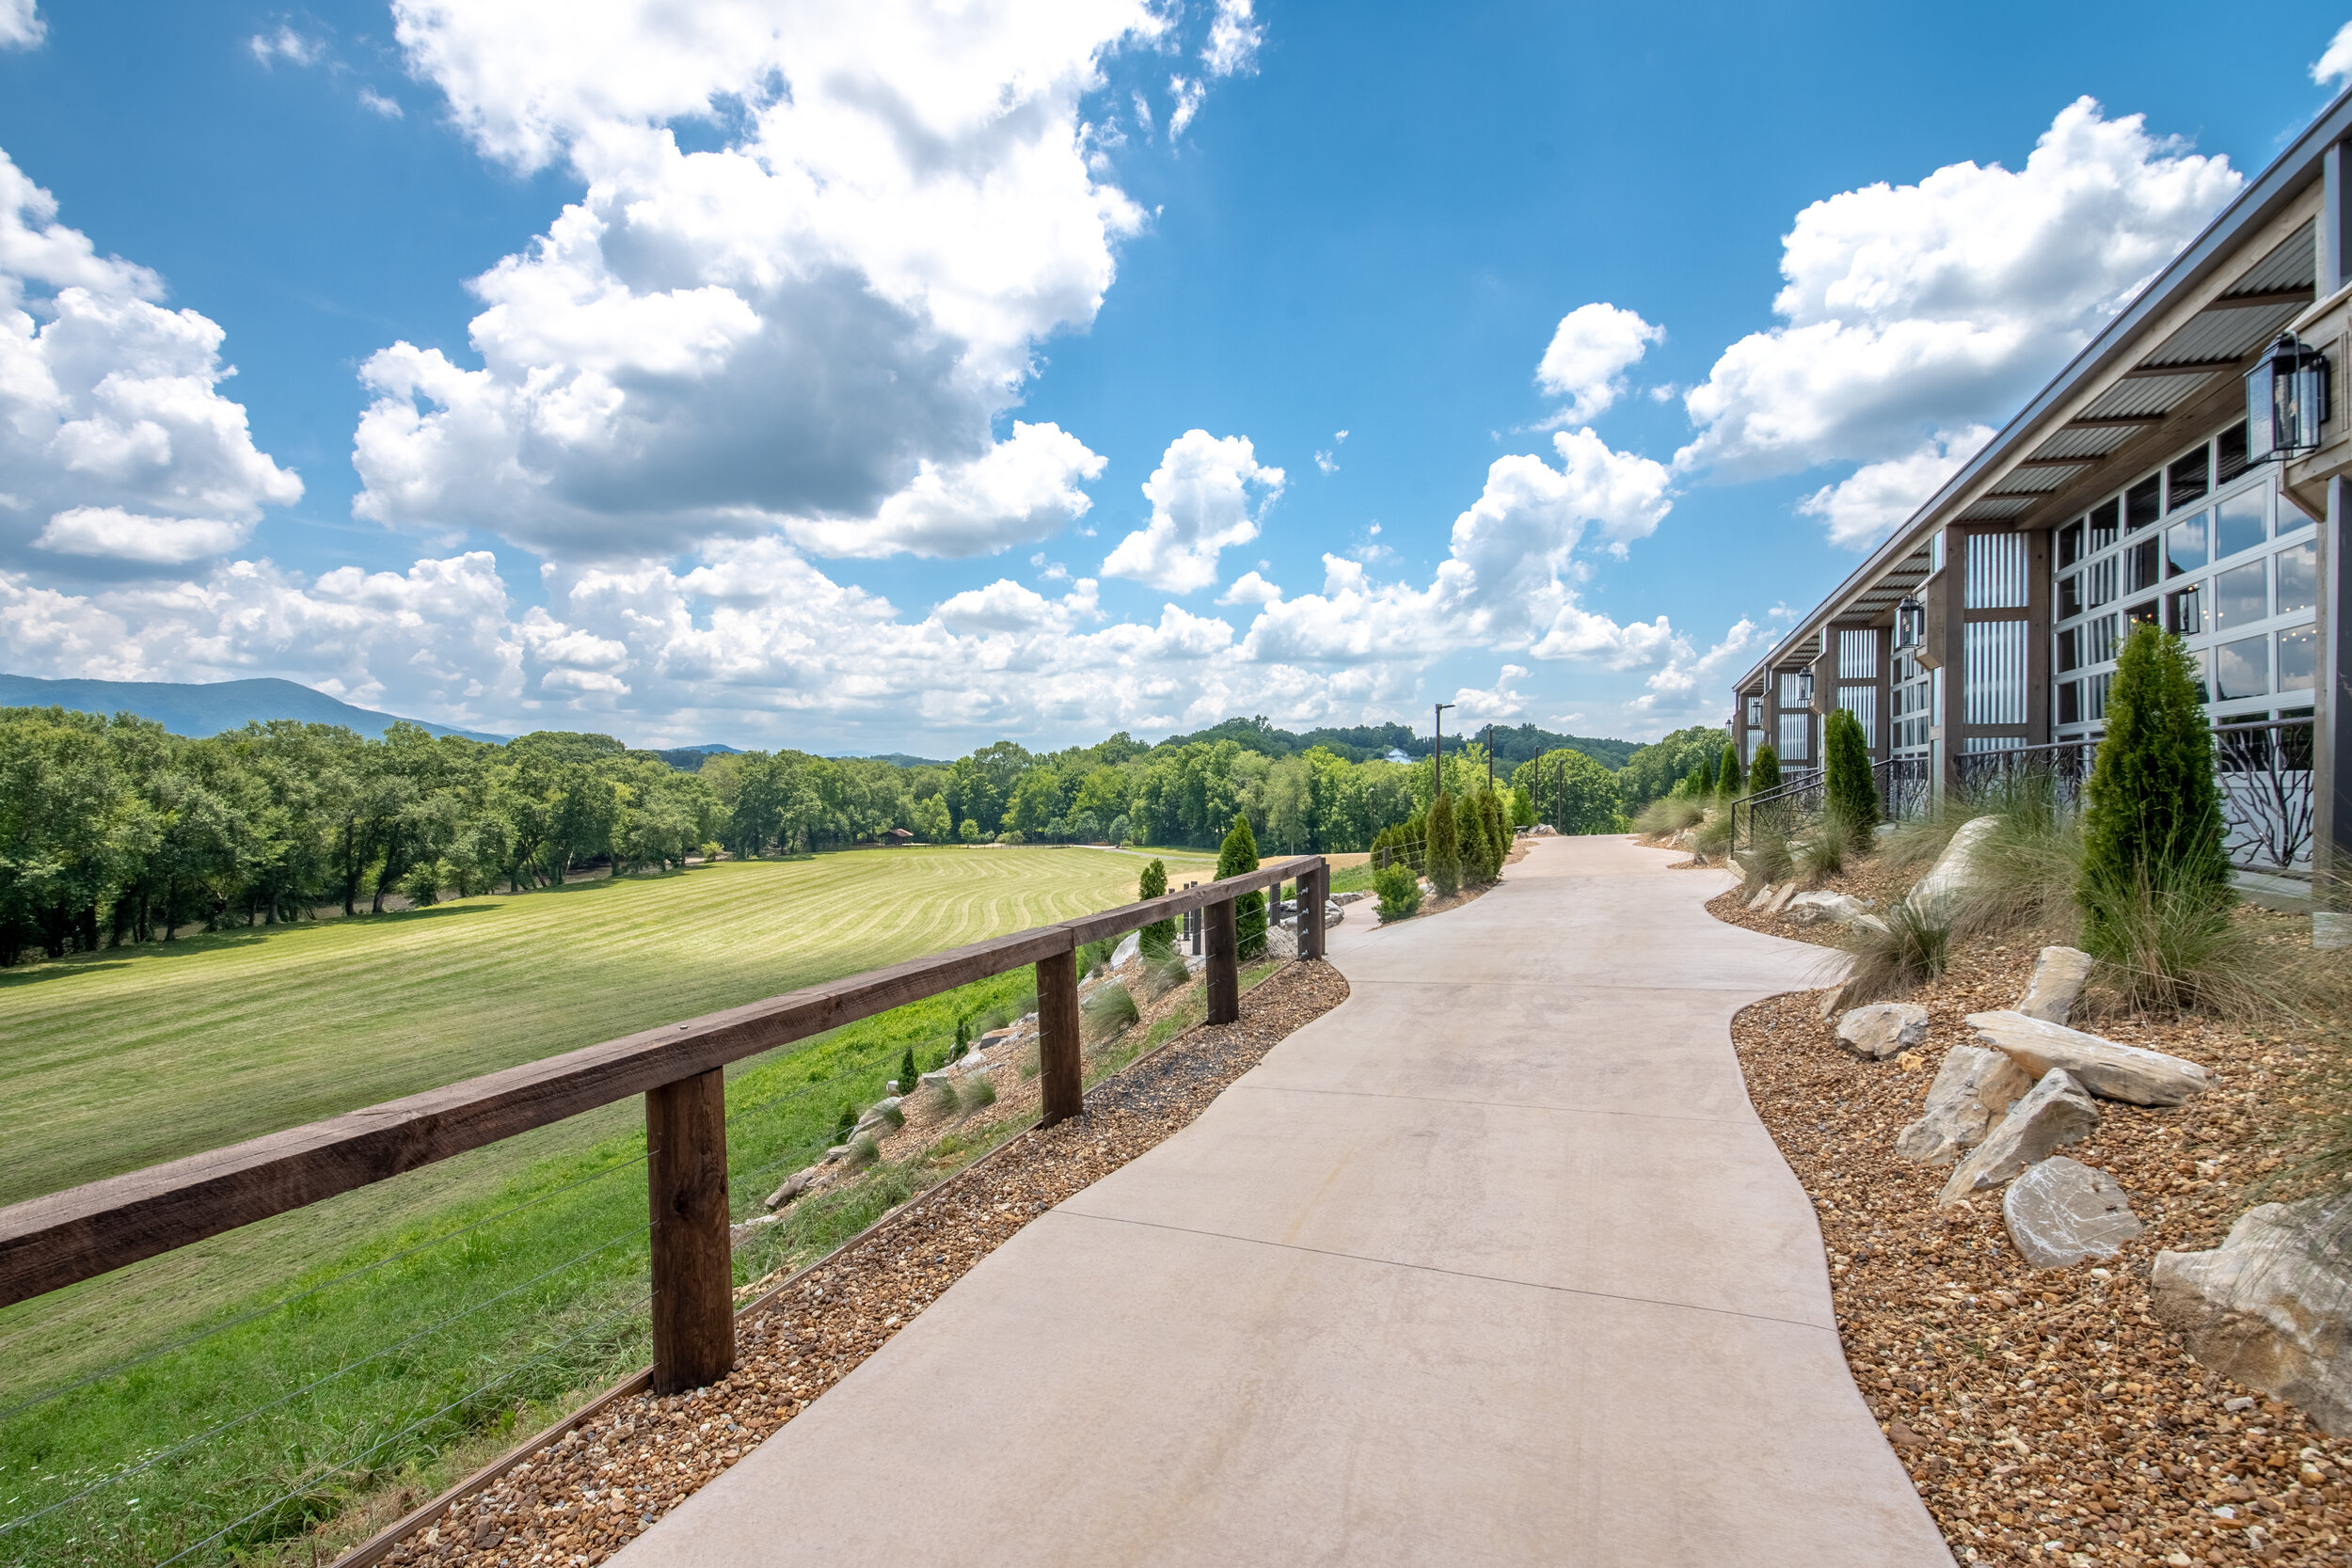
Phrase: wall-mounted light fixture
(2286, 401)
(1804, 688)
(1911, 623)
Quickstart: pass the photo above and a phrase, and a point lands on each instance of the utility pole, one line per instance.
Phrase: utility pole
(1436, 773)
(1490, 757)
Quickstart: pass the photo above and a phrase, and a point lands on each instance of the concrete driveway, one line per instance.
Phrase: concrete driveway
(1491, 1264)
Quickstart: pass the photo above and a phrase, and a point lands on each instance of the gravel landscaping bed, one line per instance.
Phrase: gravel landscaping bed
(2047, 1416)
(581, 1498)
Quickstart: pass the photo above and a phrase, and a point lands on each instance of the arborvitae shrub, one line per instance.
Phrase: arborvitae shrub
(1851, 795)
(1706, 776)
(1399, 891)
(2152, 815)
(845, 1124)
(1159, 936)
(1764, 773)
(1498, 833)
(1727, 779)
(1444, 857)
(1239, 853)
(907, 1073)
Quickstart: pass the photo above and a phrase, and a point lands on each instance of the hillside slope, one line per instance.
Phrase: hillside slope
(200, 709)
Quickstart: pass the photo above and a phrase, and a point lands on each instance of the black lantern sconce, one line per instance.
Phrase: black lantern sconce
(1804, 688)
(1911, 623)
(2286, 401)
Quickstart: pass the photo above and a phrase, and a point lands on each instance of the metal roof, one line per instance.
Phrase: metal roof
(2147, 394)
(2219, 333)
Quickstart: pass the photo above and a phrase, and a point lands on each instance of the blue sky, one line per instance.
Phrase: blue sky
(827, 417)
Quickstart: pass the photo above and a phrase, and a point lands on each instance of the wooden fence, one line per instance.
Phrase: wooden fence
(49, 1242)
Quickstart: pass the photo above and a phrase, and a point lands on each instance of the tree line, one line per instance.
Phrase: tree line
(115, 831)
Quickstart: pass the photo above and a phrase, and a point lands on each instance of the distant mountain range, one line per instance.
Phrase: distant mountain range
(208, 708)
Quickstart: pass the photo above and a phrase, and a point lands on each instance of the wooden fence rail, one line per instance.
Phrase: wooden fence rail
(49, 1242)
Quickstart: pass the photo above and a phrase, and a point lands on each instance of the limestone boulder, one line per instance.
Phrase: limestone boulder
(2061, 1212)
(2056, 1112)
(2271, 1306)
(1973, 1089)
(1936, 897)
(2057, 983)
(1763, 895)
(1813, 909)
(2127, 1073)
(1882, 1029)
(1129, 946)
(795, 1185)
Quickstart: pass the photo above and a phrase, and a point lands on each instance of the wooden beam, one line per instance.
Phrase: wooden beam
(693, 1270)
(1059, 1045)
(49, 1243)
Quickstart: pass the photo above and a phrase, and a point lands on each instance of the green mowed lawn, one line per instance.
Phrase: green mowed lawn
(124, 1058)
(446, 1305)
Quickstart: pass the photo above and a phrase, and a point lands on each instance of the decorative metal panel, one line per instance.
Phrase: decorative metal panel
(1791, 691)
(1995, 654)
(1795, 738)
(1996, 571)
(1858, 654)
(1863, 703)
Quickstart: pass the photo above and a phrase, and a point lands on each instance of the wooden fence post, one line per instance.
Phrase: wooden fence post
(1224, 972)
(1060, 1083)
(1310, 899)
(693, 1266)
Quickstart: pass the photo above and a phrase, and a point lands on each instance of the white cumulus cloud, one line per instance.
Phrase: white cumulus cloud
(1207, 494)
(2334, 66)
(1589, 350)
(812, 328)
(1866, 505)
(21, 27)
(1235, 39)
(113, 431)
(1912, 309)
(286, 44)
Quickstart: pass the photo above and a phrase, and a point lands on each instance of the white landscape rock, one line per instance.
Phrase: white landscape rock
(2057, 983)
(2063, 1213)
(2271, 1306)
(1973, 1089)
(1129, 945)
(1811, 908)
(1780, 900)
(2127, 1073)
(2055, 1113)
(1882, 1029)
(795, 1185)
(1933, 895)
(1763, 895)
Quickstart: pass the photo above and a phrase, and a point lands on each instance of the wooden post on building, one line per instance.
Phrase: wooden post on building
(693, 1267)
(1224, 971)
(1060, 1085)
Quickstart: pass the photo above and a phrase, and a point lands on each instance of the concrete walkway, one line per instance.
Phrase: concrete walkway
(1491, 1264)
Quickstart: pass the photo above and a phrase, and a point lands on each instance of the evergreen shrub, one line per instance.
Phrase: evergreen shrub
(1237, 854)
(1727, 775)
(1851, 795)
(1159, 936)
(1765, 773)
(1444, 852)
(1399, 891)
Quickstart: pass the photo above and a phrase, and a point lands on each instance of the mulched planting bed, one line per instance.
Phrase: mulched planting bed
(2046, 1417)
(581, 1499)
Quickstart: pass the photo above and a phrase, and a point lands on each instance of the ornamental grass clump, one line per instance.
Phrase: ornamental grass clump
(1768, 861)
(1444, 850)
(1713, 835)
(975, 1092)
(1164, 970)
(1668, 815)
(1110, 1010)
(1399, 891)
(2155, 887)
(1890, 954)
(1237, 854)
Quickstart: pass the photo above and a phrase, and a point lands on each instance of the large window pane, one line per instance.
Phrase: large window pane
(2070, 544)
(2099, 582)
(2101, 635)
(2239, 523)
(2298, 658)
(2185, 610)
(2241, 595)
(2290, 517)
(2143, 503)
(2230, 453)
(2070, 649)
(2095, 698)
(2187, 479)
(2298, 577)
(2103, 525)
(2070, 596)
(2186, 548)
(2070, 702)
(2139, 566)
(2242, 669)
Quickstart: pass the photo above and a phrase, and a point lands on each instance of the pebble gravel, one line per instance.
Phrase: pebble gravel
(580, 1499)
(2046, 1417)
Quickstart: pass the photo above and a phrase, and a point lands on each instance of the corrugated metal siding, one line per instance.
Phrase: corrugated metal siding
(2034, 482)
(1790, 694)
(1993, 743)
(2293, 265)
(2216, 336)
(1858, 654)
(1994, 508)
(2155, 394)
(1996, 571)
(1793, 744)
(2083, 443)
(1996, 652)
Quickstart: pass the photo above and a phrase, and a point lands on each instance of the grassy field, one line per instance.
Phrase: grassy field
(448, 1305)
